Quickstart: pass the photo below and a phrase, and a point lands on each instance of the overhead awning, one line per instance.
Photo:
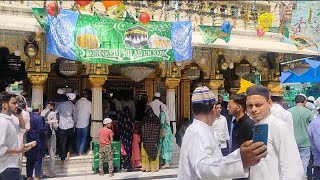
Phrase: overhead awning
(310, 75)
(19, 23)
(252, 43)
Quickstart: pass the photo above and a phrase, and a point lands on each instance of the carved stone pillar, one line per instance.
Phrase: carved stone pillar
(149, 84)
(185, 98)
(37, 80)
(97, 81)
(171, 85)
(214, 85)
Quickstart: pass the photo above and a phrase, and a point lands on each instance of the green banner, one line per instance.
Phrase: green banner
(211, 33)
(101, 39)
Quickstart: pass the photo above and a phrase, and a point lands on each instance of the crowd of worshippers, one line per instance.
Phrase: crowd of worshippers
(218, 144)
(146, 145)
(62, 127)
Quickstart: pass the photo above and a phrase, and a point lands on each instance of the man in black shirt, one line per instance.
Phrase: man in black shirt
(242, 125)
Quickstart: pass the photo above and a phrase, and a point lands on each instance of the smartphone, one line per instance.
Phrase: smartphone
(260, 133)
(19, 111)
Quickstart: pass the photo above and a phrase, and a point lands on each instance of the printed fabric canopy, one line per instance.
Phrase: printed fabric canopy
(311, 75)
(96, 39)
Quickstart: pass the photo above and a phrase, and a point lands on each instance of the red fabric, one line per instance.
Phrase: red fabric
(136, 156)
(105, 136)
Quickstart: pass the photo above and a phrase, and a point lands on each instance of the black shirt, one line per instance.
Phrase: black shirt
(242, 131)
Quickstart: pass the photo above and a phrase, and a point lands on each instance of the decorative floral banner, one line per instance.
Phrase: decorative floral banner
(102, 40)
(211, 33)
(305, 26)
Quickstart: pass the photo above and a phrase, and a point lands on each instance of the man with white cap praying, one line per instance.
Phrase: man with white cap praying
(66, 112)
(156, 103)
(200, 155)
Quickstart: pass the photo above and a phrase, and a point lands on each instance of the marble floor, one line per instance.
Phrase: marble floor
(168, 174)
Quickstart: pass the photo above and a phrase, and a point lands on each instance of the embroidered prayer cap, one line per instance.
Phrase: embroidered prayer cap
(258, 90)
(71, 96)
(60, 91)
(202, 95)
(157, 95)
(107, 121)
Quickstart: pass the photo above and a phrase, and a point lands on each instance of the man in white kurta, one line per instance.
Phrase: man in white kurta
(278, 111)
(220, 127)
(283, 160)
(200, 155)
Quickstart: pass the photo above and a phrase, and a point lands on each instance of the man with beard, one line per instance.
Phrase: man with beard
(9, 146)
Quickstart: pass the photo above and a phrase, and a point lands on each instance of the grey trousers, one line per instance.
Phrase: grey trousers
(52, 148)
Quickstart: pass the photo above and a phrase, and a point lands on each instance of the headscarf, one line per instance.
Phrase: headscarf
(126, 130)
(164, 108)
(150, 133)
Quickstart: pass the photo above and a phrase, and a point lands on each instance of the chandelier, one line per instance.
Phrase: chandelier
(137, 72)
(68, 68)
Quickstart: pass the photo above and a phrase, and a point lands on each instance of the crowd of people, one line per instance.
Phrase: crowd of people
(218, 144)
(61, 129)
(146, 145)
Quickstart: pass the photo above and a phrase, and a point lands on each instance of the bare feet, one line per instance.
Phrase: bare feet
(111, 174)
(68, 155)
(166, 166)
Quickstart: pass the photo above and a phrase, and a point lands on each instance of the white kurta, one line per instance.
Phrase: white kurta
(156, 106)
(220, 127)
(278, 111)
(283, 160)
(201, 157)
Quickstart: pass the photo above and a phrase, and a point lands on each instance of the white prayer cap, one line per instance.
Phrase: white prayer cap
(303, 95)
(311, 98)
(310, 106)
(157, 95)
(60, 91)
(71, 96)
(317, 103)
(107, 121)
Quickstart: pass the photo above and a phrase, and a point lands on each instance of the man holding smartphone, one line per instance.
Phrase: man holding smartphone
(9, 146)
(201, 156)
(283, 160)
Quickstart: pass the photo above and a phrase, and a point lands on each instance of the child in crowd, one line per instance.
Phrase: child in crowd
(105, 140)
(136, 156)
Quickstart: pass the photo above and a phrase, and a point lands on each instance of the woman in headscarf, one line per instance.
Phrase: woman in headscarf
(150, 135)
(165, 136)
(126, 126)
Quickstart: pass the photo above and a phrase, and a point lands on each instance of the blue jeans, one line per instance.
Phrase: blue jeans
(11, 173)
(316, 173)
(81, 138)
(305, 157)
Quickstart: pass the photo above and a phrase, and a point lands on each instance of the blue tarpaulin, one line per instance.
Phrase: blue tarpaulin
(311, 75)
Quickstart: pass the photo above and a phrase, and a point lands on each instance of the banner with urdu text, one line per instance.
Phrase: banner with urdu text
(95, 39)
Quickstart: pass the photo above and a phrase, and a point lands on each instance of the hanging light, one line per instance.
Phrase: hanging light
(137, 72)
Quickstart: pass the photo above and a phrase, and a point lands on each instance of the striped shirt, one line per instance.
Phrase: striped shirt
(66, 112)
